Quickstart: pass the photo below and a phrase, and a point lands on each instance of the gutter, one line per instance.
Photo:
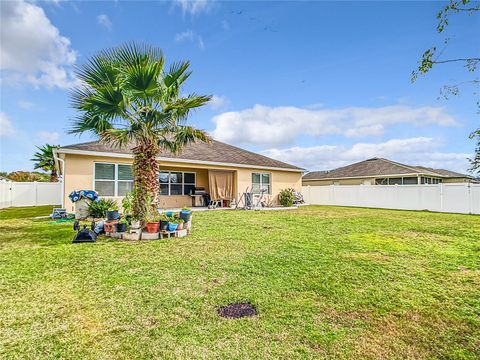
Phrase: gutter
(376, 176)
(59, 160)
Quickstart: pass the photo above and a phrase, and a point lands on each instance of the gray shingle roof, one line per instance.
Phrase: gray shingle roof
(378, 167)
(215, 151)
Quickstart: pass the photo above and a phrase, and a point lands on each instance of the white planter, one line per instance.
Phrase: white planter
(149, 236)
(131, 236)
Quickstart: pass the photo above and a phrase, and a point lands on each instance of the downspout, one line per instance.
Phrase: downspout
(63, 176)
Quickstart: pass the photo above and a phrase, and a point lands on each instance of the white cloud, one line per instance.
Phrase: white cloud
(218, 102)
(26, 105)
(189, 35)
(32, 49)
(186, 35)
(48, 136)
(6, 127)
(104, 20)
(194, 7)
(201, 44)
(421, 151)
(274, 126)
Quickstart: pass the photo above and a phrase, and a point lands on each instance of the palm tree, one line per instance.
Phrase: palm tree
(128, 98)
(44, 160)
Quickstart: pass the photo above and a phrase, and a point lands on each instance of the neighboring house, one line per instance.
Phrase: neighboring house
(107, 169)
(379, 171)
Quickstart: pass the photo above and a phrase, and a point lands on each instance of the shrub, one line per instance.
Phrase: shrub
(286, 197)
(98, 208)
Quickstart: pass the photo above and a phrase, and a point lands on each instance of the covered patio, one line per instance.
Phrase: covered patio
(197, 187)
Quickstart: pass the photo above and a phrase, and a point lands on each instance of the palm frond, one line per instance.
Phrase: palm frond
(177, 74)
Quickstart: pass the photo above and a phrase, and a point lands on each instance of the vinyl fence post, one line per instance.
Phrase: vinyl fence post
(469, 194)
(441, 197)
(35, 188)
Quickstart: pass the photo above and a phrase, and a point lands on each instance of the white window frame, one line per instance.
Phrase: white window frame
(261, 181)
(183, 183)
(115, 179)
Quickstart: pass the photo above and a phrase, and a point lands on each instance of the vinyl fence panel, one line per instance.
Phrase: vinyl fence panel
(455, 198)
(13, 194)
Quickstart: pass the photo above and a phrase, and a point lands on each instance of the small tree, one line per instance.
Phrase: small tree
(45, 161)
(128, 99)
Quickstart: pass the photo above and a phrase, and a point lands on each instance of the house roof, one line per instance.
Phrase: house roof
(379, 167)
(215, 152)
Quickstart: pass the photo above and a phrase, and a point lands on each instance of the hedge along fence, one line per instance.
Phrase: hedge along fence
(13, 194)
(460, 198)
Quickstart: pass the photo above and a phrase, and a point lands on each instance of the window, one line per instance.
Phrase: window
(176, 183)
(429, 180)
(113, 179)
(410, 181)
(261, 183)
(381, 181)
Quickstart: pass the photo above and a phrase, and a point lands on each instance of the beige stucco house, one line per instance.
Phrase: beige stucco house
(107, 169)
(378, 171)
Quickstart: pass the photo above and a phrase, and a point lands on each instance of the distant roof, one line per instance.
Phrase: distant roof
(213, 152)
(379, 167)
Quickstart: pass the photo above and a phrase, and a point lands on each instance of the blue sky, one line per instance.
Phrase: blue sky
(316, 84)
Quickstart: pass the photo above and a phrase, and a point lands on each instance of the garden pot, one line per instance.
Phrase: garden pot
(180, 226)
(109, 227)
(164, 225)
(172, 226)
(112, 215)
(136, 224)
(169, 213)
(152, 227)
(186, 215)
(121, 228)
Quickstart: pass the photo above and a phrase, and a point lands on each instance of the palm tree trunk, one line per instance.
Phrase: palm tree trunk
(145, 177)
(53, 175)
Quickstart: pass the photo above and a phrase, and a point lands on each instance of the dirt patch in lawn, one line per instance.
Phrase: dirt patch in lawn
(237, 310)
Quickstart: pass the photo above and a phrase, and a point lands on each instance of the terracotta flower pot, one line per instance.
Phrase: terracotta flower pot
(109, 227)
(180, 226)
(152, 227)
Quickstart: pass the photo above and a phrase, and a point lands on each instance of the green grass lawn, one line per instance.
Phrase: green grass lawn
(328, 282)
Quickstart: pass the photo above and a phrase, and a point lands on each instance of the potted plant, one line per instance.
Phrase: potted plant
(135, 223)
(109, 227)
(172, 224)
(97, 208)
(152, 224)
(186, 214)
(164, 222)
(112, 212)
(122, 225)
(180, 224)
(127, 205)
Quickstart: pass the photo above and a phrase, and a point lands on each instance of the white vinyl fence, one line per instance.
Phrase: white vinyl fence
(454, 198)
(29, 193)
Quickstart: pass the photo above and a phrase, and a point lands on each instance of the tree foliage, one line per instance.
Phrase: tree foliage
(129, 99)
(44, 160)
(434, 56)
(28, 176)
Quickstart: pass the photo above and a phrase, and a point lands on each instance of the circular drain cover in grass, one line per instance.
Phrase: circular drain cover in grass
(237, 310)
